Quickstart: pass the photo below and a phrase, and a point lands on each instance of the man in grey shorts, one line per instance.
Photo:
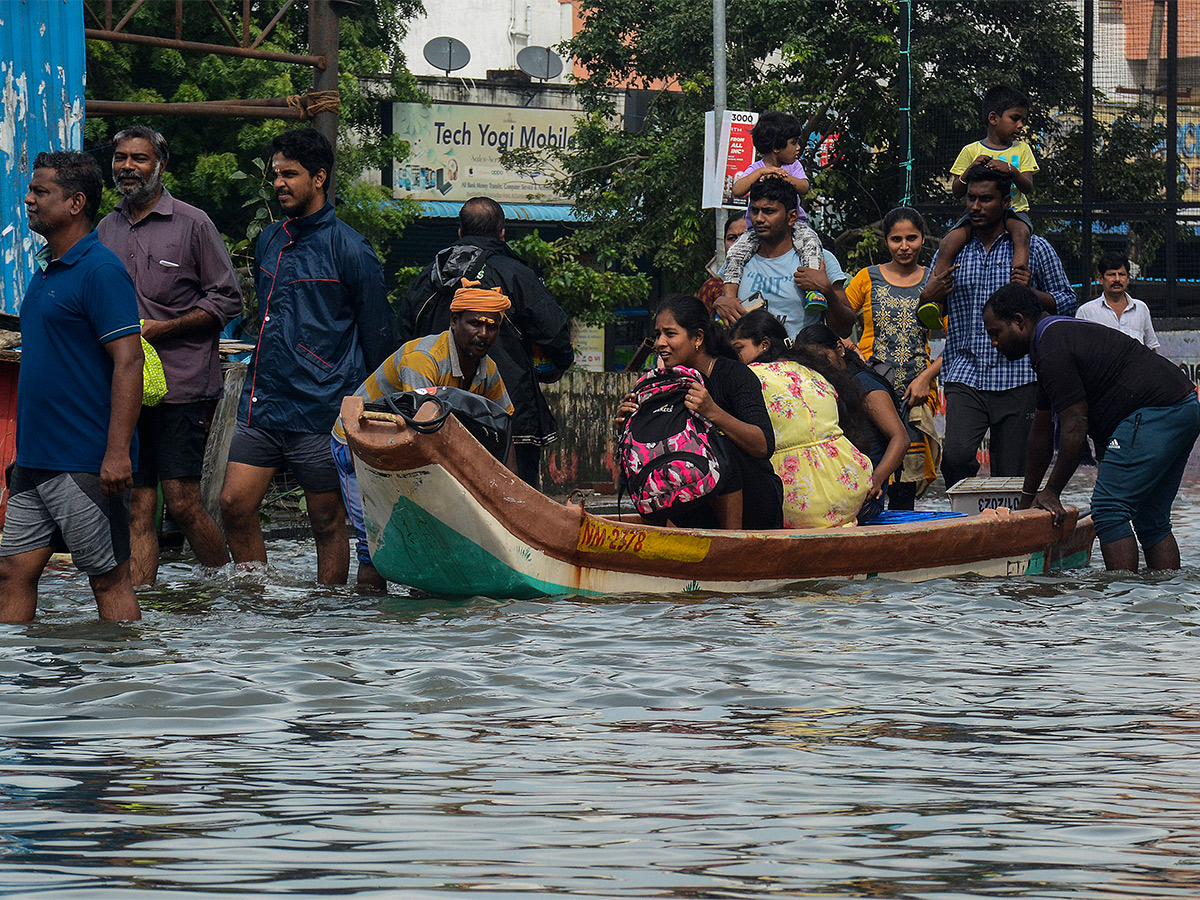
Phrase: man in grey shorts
(78, 400)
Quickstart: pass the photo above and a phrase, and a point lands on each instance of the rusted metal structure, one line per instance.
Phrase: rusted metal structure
(320, 105)
(42, 78)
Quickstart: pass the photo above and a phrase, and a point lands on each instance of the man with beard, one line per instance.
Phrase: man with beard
(326, 323)
(984, 391)
(78, 398)
(186, 291)
(456, 358)
(1139, 408)
(534, 347)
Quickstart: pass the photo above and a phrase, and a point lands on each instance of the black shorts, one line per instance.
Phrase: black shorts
(307, 455)
(171, 438)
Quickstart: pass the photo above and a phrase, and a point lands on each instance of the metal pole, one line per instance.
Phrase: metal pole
(323, 42)
(148, 40)
(1172, 218)
(719, 101)
(1089, 144)
(906, 164)
(217, 109)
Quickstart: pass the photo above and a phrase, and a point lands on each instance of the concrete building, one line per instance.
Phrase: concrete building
(494, 31)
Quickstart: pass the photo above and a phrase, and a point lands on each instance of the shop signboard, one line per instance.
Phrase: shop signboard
(455, 151)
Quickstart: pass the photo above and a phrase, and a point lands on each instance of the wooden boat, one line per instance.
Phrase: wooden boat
(442, 515)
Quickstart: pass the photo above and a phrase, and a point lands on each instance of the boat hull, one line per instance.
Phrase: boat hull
(443, 516)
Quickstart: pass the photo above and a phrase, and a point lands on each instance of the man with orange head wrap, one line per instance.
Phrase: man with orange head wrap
(455, 358)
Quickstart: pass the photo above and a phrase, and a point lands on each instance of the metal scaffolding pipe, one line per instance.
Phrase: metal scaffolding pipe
(96, 34)
(104, 108)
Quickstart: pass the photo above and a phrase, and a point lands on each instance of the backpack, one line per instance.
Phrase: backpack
(487, 421)
(667, 453)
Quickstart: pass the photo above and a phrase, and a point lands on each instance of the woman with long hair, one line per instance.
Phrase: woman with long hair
(886, 439)
(825, 477)
(749, 495)
(888, 297)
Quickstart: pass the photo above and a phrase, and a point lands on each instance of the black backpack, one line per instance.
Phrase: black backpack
(488, 422)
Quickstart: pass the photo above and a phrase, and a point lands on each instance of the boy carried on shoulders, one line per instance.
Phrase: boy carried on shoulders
(776, 137)
(1005, 111)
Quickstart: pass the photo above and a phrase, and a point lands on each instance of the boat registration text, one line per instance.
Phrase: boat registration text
(611, 537)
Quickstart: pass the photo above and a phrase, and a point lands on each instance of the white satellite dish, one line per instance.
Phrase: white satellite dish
(539, 62)
(447, 53)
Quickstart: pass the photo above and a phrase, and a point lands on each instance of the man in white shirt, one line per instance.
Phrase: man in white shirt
(1115, 308)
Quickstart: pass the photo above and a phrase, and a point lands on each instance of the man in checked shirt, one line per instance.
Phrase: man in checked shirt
(186, 291)
(986, 393)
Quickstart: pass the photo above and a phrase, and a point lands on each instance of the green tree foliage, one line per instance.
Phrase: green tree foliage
(1127, 165)
(586, 292)
(835, 64)
(210, 156)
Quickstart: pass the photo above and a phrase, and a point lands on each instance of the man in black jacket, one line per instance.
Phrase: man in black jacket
(535, 323)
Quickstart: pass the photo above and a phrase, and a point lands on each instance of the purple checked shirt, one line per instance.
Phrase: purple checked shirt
(178, 263)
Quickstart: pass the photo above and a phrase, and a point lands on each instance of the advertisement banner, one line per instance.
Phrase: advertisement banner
(455, 151)
(734, 153)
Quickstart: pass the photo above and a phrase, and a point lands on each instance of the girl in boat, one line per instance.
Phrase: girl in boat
(825, 477)
(886, 439)
(888, 296)
(749, 494)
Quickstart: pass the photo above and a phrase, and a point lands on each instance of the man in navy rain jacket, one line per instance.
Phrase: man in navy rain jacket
(326, 324)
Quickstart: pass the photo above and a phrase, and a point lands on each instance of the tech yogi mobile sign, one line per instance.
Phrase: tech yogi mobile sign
(455, 151)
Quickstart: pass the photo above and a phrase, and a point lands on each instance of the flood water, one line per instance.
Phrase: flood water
(959, 738)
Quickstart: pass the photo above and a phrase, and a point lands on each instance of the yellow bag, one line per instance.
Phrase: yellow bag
(154, 382)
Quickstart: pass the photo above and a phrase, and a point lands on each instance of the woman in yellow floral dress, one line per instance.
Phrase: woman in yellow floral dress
(825, 477)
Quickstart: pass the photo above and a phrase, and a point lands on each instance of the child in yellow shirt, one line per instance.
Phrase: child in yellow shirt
(1005, 110)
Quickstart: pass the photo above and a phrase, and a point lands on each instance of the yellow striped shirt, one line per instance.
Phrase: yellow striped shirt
(431, 361)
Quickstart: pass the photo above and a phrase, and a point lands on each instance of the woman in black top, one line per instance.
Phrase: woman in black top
(750, 494)
(884, 439)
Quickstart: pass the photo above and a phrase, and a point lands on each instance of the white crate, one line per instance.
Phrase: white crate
(971, 496)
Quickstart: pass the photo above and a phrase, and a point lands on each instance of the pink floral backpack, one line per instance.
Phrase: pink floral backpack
(667, 453)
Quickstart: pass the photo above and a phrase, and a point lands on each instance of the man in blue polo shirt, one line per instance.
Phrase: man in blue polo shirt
(78, 398)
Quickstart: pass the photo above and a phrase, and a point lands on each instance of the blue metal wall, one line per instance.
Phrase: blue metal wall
(41, 85)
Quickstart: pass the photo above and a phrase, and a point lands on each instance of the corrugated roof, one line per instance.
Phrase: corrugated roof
(513, 212)
(41, 78)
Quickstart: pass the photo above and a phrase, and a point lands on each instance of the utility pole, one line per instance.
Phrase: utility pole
(719, 101)
(323, 41)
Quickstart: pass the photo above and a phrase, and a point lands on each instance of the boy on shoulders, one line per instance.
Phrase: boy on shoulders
(1005, 111)
(776, 137)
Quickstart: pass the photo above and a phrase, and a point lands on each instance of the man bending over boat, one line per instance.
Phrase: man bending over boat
(1139, 407)
(455, 358)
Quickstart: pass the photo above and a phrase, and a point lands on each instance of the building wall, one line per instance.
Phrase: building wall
(41, 82)
(495, 31)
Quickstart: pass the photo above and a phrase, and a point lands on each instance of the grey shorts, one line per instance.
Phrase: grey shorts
(66, 511)
(307, 455)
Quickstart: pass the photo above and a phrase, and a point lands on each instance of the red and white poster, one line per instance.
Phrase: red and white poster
(734, 153)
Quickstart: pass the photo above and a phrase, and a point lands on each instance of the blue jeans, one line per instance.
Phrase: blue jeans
(344, 463)
(1141, 470)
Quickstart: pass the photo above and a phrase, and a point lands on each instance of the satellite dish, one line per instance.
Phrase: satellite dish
(539, 62)
(447, 53)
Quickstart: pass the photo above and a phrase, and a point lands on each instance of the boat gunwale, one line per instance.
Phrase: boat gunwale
(554, 528)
